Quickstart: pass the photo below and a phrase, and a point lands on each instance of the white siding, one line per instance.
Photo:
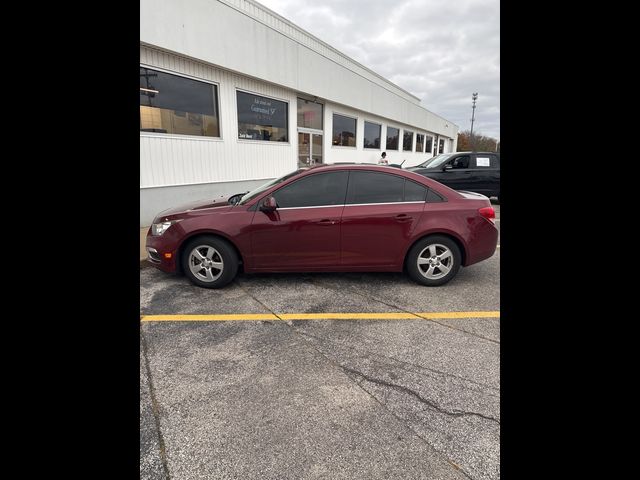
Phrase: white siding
(180, 160)
(245, 37)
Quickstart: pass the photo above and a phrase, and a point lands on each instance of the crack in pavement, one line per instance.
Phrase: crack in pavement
(356, 292)
(402, 420)
(430, 403)
(373, 397)
(420, 367)
(261, 303)
(155, 407)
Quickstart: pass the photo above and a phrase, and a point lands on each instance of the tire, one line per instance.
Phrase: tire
(219, 256)
(442, 252)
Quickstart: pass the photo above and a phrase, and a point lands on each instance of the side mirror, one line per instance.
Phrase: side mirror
(269, 204)
(448, 166)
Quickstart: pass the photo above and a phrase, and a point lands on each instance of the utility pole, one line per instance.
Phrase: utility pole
(474, 97)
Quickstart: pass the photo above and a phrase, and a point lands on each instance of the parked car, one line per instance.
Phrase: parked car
(471, 171)
(328, 218)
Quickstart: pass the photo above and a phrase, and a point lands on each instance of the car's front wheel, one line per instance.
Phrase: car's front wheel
(209, 262)
(434, 260)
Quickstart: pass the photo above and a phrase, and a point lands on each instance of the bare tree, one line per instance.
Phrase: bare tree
(482, 142)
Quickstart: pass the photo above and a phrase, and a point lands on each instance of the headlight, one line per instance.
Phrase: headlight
(158, 229)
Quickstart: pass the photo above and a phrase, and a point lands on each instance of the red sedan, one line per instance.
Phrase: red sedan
(329, 218)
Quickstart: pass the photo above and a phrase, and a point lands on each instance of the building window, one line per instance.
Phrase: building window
(344, 131)
(309, 114)
(371, 135)
(441, 146)
(262, 118)
(177, 105)
(407, 141)
(419, 142)
(428, 144)
(392, 138)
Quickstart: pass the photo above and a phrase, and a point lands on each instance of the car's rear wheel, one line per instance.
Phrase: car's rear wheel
(209, 262)
(434, 260)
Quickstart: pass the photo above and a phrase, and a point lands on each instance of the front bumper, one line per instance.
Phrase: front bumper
(162, 251)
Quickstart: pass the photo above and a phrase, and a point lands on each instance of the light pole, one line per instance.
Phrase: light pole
(474, 97)
(497, 142)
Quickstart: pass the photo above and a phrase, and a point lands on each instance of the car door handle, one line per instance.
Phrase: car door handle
(402, 218)
(326, 221)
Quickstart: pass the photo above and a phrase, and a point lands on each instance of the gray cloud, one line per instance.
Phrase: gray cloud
(440, 51)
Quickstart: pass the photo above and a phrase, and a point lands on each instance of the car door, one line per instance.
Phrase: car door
(380, 213)
(486, 169)
(458, 176)
(304, 231)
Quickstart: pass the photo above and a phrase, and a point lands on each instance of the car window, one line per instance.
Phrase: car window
(433, 197)
(254, 193)
(414, 192)
(436, 161)
(486, 161)
(374, 187)
(315, 190)
(460, 162)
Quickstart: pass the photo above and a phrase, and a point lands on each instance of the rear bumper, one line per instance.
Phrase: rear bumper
(483, 243)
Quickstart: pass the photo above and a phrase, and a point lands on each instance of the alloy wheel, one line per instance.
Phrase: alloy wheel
(205, 263)
(435, 261)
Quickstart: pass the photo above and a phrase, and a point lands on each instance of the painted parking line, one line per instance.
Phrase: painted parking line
(319, 316)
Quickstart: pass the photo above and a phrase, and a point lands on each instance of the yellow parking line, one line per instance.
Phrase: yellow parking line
(319, 316)
(347, 316)
(208, 318)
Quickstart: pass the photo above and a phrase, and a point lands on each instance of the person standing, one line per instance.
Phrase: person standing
(383, 159)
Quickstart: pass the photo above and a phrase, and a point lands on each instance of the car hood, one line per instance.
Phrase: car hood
(220, 204)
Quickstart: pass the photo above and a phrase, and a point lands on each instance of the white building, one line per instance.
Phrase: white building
(232, 95)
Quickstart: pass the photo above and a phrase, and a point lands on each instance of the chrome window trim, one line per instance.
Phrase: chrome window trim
(384, 203)
(349, 205)
(314, 206)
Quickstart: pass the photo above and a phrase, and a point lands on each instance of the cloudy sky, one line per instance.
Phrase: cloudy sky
(439, 50)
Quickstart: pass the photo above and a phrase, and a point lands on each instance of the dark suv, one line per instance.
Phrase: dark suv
(472, 171)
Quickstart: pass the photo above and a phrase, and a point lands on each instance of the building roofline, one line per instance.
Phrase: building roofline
(333, 49)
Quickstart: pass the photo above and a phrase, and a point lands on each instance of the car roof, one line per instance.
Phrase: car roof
(365, 166)
(349, 165)
(304, 171)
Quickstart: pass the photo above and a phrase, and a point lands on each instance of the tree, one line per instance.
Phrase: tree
(481, 142)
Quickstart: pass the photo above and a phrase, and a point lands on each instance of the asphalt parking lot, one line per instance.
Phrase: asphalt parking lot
(267, 380)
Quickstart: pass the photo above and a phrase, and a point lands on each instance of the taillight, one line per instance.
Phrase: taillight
(489, 213)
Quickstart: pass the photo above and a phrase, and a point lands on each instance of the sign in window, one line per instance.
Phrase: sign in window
(262, 118)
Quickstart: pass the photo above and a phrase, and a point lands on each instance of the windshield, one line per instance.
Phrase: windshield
(254, 193)
(436, 161)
